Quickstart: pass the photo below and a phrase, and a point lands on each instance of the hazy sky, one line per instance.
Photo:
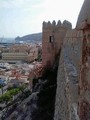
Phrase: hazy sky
(22, 17)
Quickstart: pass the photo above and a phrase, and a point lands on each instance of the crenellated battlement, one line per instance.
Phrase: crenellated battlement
(52, 38)
(65, 24)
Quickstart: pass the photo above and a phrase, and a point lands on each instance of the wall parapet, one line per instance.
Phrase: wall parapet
(65, 24)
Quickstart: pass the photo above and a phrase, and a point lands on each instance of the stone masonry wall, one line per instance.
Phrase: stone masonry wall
(52, 38)
(68, 77)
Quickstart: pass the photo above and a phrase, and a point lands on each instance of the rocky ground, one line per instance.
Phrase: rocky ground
(40, 104)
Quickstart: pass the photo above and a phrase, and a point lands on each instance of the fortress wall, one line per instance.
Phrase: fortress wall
(52, 39)
(61, 104)
(68, 77)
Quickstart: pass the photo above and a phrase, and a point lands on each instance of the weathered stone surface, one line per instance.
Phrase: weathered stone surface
(52, 39)
(84, 13)
(61, 105)
(67, 24)
(68, 77)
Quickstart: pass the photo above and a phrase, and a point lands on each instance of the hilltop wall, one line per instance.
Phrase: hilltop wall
(68, 77)
(52, 39)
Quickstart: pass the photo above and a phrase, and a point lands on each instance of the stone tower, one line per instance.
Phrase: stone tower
(52, 38)
(83, 24)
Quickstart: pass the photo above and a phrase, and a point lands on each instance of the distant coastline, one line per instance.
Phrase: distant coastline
(7, 40)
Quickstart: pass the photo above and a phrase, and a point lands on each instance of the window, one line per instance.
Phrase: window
(51, 39)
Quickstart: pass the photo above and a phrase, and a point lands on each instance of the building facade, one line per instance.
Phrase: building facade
(18, 56)
(20, 53)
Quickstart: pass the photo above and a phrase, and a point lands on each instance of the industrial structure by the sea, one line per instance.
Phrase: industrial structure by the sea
(58, 86)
